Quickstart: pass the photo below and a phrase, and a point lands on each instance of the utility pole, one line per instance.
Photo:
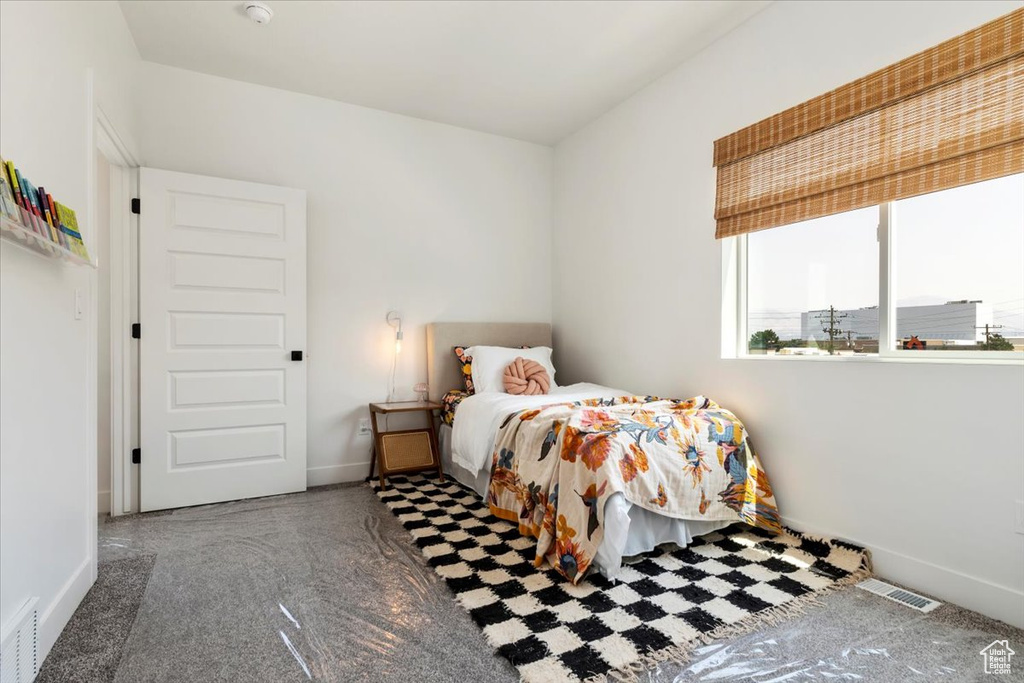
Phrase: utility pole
(988, 332)
(832, 330)
(849, 339)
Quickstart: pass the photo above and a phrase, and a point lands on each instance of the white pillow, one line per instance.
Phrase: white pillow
(489, 363)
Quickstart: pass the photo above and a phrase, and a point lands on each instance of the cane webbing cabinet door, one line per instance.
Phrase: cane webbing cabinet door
(406, 450)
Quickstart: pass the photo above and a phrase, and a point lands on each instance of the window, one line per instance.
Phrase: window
(951, 285)
(798, 273)
(959, 267)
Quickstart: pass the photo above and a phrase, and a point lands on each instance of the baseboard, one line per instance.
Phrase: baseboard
(337, 474)
(999, 602)
(55, 617)
(103, 503)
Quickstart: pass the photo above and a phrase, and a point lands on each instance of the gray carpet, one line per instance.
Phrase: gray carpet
(91, 645)
(328, 586)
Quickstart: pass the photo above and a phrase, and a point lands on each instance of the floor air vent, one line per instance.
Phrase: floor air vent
(904, 597)
(19, 650)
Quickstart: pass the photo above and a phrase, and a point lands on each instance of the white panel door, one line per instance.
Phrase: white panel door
(222, 301)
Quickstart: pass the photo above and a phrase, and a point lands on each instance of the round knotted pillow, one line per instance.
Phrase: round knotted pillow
(526, 377)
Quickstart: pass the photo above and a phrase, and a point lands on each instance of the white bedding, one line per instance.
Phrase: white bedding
(478, 417)
(629, 530)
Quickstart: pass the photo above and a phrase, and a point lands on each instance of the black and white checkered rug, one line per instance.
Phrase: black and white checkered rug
(662, 605)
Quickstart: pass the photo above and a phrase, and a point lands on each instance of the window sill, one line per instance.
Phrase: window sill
(912, 360)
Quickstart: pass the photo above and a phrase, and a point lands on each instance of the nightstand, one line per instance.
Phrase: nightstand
(407, 450)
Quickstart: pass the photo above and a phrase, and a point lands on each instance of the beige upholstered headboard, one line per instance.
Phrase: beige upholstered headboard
(443, 371)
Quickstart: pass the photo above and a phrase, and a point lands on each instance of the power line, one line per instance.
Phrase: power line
(936, 316)
(936, 325)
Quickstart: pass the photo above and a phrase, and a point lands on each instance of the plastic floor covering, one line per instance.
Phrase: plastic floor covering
(327, 586)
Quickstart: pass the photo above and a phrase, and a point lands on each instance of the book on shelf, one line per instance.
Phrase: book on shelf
(8, 204)
(69, 225)
(30, 200)
(44, 227)
(12, 177)
(44, 213)
(51, 206)
(19, 184)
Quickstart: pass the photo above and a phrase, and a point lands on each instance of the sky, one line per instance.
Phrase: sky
(965, 243)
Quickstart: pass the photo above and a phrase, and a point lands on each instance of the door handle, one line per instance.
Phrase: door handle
(296, 355)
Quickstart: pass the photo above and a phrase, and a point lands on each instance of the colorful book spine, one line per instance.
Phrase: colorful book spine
(56, 220)
(12, 175)
(37, 207)
(26, 209)
(47, 200)
(8, 204)
(44, 210)
(30, 203)
(40, 216)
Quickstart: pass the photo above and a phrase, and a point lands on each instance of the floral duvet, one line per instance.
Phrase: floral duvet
(554, 467)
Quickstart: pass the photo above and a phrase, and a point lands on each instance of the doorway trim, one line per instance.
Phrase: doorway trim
(122, 263)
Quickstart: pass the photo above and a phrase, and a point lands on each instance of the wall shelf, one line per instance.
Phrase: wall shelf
(27, 238)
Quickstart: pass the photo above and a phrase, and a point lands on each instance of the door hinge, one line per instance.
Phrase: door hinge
(136, 331)
(136, 205)
(136, 456)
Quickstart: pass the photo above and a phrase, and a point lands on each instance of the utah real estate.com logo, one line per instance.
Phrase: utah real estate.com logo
(997, 657)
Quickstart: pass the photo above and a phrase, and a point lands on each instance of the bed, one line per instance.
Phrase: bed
(468, 444)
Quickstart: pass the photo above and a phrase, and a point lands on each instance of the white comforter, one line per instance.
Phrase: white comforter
(478, 417)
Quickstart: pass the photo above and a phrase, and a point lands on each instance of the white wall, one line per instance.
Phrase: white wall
(437, 222)
(922, 463)
(48, 361)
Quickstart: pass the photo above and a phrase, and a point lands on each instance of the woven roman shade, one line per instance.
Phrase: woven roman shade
(948, 116)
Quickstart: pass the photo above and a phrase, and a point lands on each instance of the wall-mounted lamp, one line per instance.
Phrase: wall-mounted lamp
(396, 322)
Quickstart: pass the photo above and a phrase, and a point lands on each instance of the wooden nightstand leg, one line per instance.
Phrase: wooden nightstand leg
(377, 452)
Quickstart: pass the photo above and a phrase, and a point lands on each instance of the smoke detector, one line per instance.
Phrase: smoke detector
(259, 12)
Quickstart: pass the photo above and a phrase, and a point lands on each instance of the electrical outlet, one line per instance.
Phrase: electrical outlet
(364, 427)
(1018, 523)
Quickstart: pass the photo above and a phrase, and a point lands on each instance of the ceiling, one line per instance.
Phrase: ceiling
(535, 71)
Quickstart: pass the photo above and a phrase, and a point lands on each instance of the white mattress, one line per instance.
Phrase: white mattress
(467, 448)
